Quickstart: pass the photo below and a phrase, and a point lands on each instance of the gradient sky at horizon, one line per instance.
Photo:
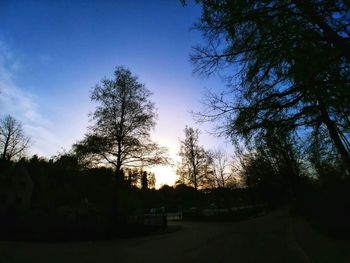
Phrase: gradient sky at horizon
(53, 52)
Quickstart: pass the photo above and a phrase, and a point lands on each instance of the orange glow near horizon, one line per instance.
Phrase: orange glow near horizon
(165, 175)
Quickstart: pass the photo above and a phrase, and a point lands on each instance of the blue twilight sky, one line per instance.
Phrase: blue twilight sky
(53, 52)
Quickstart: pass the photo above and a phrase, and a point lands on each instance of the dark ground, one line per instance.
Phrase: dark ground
(272, 238)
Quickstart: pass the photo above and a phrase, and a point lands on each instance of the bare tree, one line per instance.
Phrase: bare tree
(13, 141)
(193, 168)
(220, 167)
(123, 120)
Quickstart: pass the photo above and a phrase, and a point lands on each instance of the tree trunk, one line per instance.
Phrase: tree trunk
(119, 165)
(120, 142)
(333, 132)
(119, 174)
(6, 146)
(195, 180)
(194, 166)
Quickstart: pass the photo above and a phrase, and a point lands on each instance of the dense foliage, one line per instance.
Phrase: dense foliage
(287, 96)
(287, 63)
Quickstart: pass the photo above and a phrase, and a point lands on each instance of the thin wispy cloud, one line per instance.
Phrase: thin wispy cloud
(16, 101)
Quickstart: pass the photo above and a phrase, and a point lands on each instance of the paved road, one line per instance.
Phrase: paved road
(263, 239)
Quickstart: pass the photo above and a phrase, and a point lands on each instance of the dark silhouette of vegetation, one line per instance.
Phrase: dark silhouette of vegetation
(221, 169)
(193, 169)
(59, 199)
(102, 189)
(123, 119)
(13, 141)
(285, 108)
(287, 99)
(283, 77)
(139, 178)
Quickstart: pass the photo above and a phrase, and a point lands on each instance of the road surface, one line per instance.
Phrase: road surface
(263, 239)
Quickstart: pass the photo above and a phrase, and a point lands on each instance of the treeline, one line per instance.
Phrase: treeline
(285, 107)
(102, 188)
(59, 199)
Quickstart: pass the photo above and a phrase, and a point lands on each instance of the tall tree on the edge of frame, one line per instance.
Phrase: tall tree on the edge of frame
(288, 63)
(124, 117)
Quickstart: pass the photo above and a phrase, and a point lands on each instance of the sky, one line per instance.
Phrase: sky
(53, 52)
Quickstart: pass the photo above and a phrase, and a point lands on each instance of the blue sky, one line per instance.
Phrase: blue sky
(53, 52)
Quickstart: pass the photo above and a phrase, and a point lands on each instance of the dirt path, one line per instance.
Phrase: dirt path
(264, 239)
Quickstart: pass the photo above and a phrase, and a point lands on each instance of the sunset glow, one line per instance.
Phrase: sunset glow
(165, 175)
(46, 84)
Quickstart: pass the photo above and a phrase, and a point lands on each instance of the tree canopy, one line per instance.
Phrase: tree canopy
(122, 122)
(194, 168)
(287, 63)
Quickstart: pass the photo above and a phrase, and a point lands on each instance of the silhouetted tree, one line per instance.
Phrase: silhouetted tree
(219, 164)
(148, 180)
(194, 167)
(144, 180)
(280, 148)
(67, 160)
(261, 177)
(323, 156)
(289, 65)
(132, 176)
(13, 141)
(123, 119)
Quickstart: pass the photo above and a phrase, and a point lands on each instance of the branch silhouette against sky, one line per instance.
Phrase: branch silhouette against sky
(52, 53)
